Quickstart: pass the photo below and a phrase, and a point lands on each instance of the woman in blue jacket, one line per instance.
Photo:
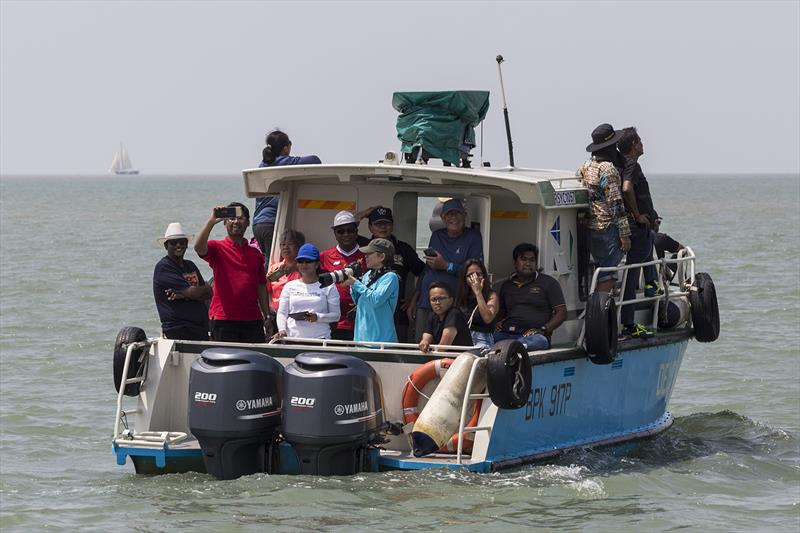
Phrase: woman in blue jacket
(275, 153)
(375, 295)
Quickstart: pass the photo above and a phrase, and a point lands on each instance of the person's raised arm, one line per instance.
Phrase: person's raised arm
(201, 242)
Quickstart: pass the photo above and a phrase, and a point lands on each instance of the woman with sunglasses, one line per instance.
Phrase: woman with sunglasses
(305, 309)
(478, 302)
(275, 153)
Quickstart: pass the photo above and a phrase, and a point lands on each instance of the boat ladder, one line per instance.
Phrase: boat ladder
(477, 365)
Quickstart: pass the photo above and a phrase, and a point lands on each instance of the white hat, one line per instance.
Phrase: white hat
(175, 231)
(343, 218)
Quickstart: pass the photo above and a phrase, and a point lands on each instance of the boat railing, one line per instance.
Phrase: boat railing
(469, 396)
(125, 381)
(672, 286)
(370, 345)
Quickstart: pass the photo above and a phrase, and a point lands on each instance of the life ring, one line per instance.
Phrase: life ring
(508, 374)
(411, 393)
(705, 310)
(126, 336)
(601, 328)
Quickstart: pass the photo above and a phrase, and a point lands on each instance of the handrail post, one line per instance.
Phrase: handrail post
(124, 380)
(475, 362)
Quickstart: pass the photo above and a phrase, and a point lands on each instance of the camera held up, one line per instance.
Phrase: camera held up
(338, 276)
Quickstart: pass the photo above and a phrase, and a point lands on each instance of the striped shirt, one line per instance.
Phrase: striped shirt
(605, 195)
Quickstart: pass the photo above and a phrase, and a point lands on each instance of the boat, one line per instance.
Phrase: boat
(121, 165)
(336, 407)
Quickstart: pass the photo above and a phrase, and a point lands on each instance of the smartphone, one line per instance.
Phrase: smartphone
(299, 316)
(228, 212)
(429, 252)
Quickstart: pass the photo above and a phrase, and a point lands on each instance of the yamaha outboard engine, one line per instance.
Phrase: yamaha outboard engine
(235, 410)
(333, 410)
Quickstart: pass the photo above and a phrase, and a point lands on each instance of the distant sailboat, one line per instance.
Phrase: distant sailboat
(122, 163)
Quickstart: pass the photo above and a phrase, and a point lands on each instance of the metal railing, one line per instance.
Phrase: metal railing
(468, 397)
(125, 381)
(369, 345)
(684, 275)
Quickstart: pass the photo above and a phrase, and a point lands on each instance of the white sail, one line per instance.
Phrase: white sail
(122, 162)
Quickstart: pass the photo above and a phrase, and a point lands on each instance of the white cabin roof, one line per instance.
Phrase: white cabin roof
(549, 188)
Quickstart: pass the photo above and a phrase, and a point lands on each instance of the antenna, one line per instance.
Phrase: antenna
(505, 112)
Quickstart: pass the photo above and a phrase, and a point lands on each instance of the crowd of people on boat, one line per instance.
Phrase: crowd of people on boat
(356, 289)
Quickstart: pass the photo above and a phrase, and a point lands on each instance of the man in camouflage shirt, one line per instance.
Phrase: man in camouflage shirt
(608, 223)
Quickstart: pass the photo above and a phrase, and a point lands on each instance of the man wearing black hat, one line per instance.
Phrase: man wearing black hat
(406, 261)
(608, 224)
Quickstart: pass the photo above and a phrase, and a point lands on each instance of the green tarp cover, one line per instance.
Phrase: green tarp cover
(442, 122)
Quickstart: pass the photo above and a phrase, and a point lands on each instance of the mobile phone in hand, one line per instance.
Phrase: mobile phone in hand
(228, 212)
(302, 315)
(429, 252)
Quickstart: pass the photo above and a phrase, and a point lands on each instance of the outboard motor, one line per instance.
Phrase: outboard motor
(333, 411)
(235, 410)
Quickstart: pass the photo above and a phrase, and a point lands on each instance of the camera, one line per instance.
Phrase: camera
(338, 276)
(227, 212)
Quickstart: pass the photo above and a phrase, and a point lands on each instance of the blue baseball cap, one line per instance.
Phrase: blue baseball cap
(308, 251)
(452, 204)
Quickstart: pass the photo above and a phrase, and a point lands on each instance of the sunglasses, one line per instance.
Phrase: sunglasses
(304, 261)
(176, 242)
(345, 231)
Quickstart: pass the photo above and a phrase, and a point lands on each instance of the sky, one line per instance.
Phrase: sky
(193, 87)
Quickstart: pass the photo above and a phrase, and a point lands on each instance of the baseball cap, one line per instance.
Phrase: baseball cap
(451, 204)
(381, 214)
(383, 246)
(343, 218)
(309, 252)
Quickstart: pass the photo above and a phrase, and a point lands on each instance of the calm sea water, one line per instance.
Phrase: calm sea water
(76, 260)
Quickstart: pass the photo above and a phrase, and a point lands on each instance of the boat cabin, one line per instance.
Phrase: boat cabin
(508, 206)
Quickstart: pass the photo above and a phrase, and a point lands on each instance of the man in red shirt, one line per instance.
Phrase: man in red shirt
(345, 230)
(239, 305)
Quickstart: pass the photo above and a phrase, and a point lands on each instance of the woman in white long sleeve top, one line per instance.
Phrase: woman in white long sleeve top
(320, 306)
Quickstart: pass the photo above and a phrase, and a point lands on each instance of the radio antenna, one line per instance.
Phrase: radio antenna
(505, 113)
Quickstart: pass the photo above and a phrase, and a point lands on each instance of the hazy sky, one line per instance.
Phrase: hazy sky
(192, 87)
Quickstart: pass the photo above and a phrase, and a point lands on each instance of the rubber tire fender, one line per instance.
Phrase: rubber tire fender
(705, 310)
(126, 336)
(601, 328)
(508, 374)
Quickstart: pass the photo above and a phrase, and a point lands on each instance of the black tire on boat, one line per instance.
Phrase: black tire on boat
(601, 328)
(705, 311)
(126, 336)
(508, 374)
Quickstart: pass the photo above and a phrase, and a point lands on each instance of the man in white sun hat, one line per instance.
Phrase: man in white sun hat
(179, 289)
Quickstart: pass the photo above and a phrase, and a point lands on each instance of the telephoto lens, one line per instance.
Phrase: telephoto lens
(338, 276)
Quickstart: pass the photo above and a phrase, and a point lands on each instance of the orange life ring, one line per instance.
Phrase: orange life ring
(411, 392)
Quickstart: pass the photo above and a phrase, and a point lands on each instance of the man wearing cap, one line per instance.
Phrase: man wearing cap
(345, 230)
(608, 224)
(179, 290)
(239, 307)
(375, 295)
(453, 244)
(406, 261)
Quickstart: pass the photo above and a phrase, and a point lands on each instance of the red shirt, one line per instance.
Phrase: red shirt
(276, 287)
(238, 271)
(332, 259)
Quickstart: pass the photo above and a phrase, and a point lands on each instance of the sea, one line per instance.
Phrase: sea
(76, 261)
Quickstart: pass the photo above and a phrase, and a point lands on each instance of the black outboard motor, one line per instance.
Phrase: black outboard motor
(235, 410)
(333, 409)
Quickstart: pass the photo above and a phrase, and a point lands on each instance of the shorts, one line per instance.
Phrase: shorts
(606, 250)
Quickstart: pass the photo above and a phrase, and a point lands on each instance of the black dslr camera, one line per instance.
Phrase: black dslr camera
(338, 276)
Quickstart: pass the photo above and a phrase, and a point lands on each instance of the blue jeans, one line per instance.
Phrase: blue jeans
(482, 339)
(642, 239)
(531, 342)
(605, 249)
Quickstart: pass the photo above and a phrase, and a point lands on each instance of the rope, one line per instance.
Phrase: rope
(416, 389)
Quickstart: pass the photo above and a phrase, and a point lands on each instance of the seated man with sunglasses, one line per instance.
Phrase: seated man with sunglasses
(345, 230)
(179, 289)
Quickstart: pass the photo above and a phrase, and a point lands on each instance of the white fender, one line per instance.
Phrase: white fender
(440, 418)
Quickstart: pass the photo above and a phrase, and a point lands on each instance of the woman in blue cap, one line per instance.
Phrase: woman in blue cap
(305, 309)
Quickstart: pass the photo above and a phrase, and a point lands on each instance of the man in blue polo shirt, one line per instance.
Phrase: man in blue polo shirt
(453, 244)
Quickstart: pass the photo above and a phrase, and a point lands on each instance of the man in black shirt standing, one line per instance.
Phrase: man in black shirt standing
(179, 290)
(643, 220)
(531, 303)
(406, 261)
